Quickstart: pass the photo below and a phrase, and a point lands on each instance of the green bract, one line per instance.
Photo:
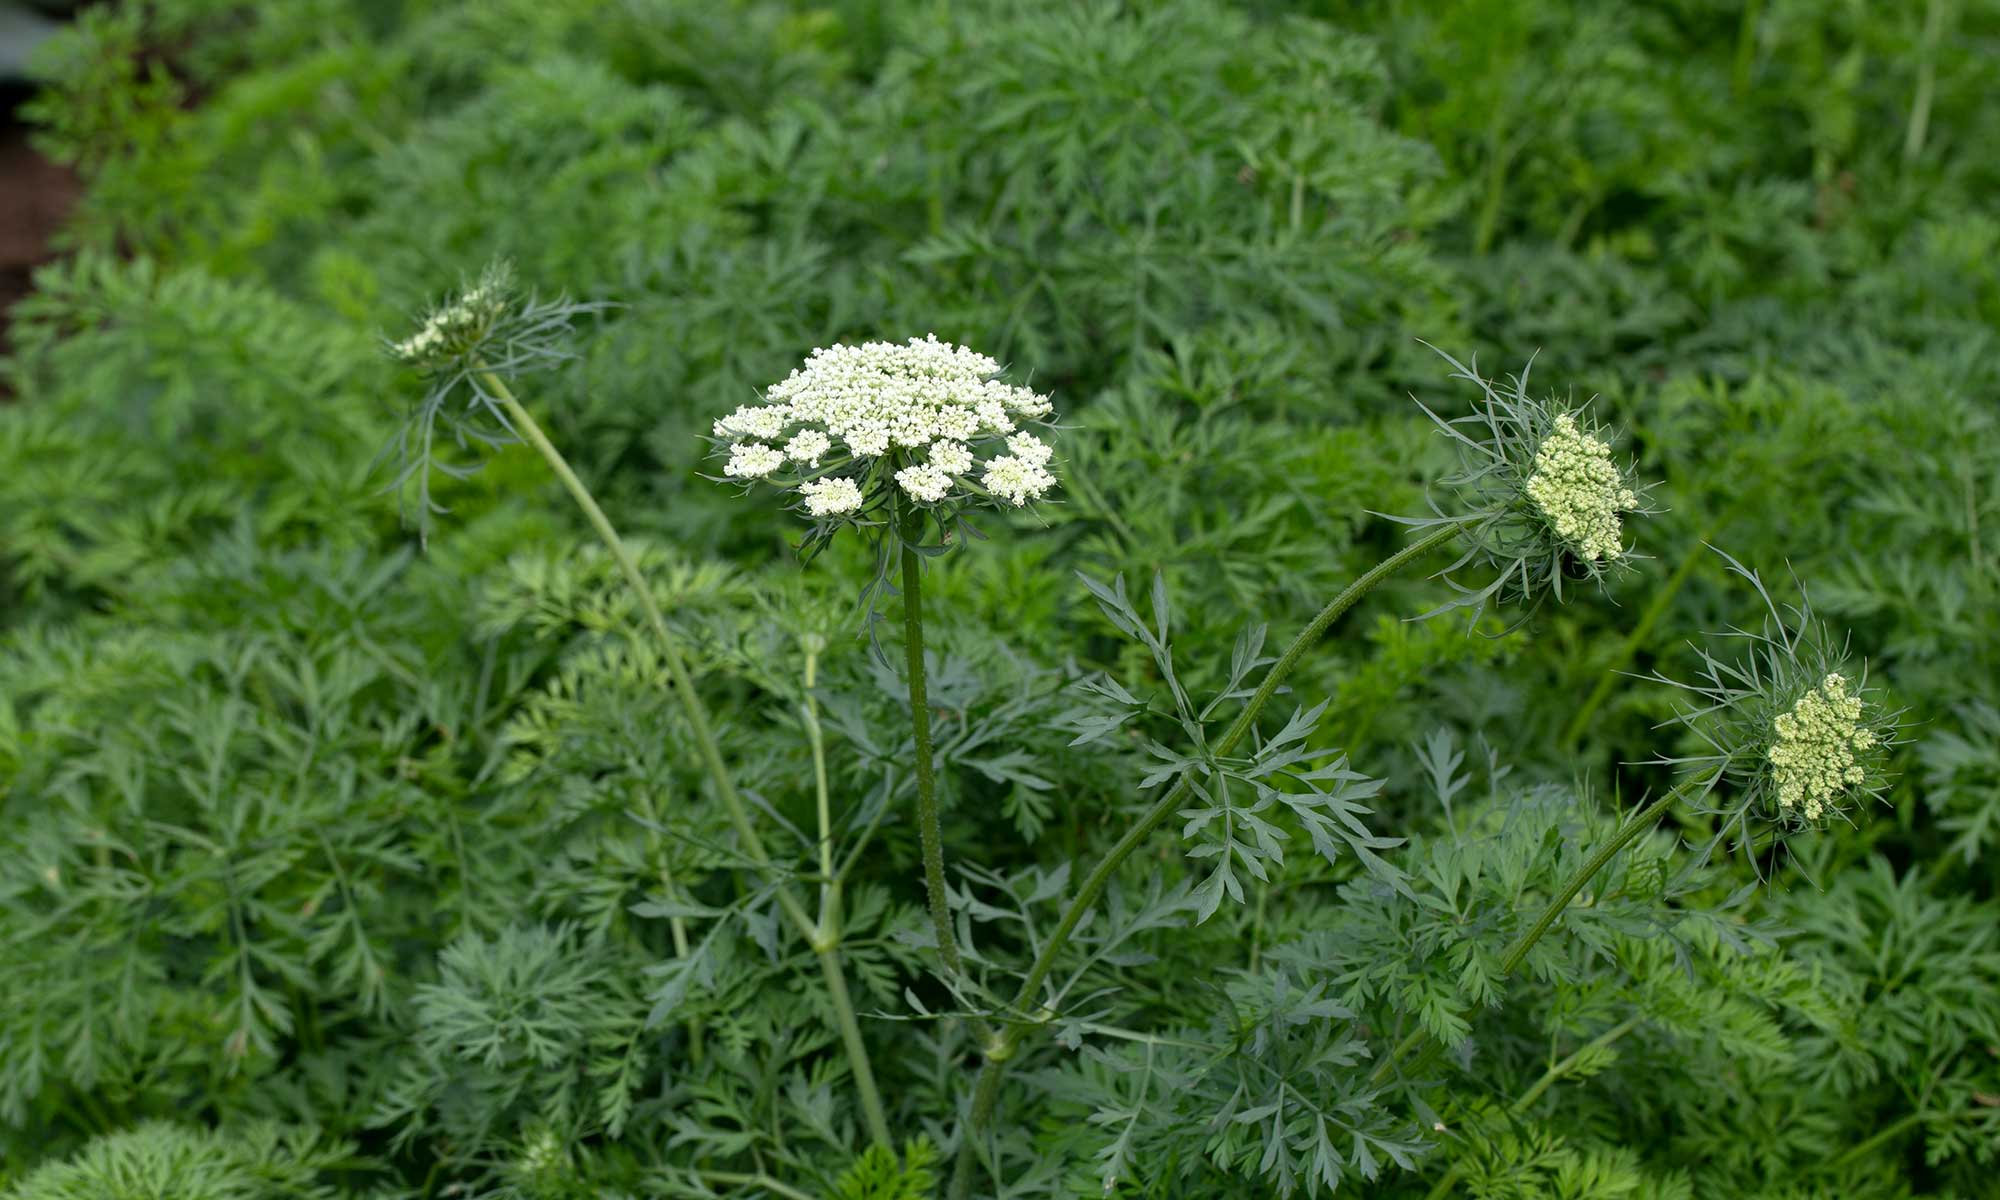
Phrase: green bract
(1537, 496)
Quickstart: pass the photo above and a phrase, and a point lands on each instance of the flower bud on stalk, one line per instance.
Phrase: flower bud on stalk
(1538, 498)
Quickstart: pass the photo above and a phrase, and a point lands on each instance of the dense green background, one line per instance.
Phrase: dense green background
(262, 761)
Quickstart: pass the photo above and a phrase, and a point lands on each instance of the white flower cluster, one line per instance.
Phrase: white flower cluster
(456, 327)
(1813, 759)
(1580, 490)
(927, 404)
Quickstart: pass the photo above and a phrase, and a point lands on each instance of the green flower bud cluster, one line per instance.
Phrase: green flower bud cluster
(1813, 760)
(1578, 487)
(457, 327)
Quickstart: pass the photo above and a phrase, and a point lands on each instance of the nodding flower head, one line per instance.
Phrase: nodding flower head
(486, 331)
(921, 425)
(459, 326)
(1538, 494)
(1789, 724)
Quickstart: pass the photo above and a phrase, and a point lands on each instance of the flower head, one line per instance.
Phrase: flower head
(1814, 752)
(543, 1163)
(1538, 495)
(459, 324)
(922, 425)
(1788, 723)
(486, 331)
(1580, 490)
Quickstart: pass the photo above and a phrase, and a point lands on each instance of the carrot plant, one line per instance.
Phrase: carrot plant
(1126, 715)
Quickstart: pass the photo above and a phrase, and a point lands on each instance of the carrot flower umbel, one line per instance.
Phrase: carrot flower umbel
(923, 423)
(1539, 497)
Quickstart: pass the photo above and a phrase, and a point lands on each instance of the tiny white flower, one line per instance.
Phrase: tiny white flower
(830, 497)
(916, 419)
(752, 460)
(753, 421)
(868, 441)
(807, 446)
(953, 458)
(1030, 449)
(459, 325)
(957, 423)
(926, 483)
(1813, 757)
(993, 418)
(1029, 404)
(1016, 480)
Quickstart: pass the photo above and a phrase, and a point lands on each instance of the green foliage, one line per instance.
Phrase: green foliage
(158, 1160)
(334, 863)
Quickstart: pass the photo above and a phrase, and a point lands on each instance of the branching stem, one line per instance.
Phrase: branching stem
(986, 1093)
(826, 941)
(696, 711)
(1641, 822)
(1549, 1078)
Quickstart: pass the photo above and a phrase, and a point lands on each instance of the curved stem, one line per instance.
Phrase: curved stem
(1656, 608)
(920, 727)
(705, 744)
(857, 1050)
(1641, 821)
(1887, 1133)
(669, 646)
(1548, 1079)
(829, 887)
(986, 1093)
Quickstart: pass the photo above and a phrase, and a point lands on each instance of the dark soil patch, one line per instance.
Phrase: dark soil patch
(35, 196)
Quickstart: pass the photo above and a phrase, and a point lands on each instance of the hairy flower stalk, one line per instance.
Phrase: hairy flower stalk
(450, 345)
(901, 439)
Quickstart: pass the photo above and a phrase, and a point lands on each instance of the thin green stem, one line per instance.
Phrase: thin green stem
(1548, 1079)
(826, 942)
(1887, 1133)
(757, 1179)
(829, 888)
(857, 1050)
(669, 646)
(1920, 105)
(1655, 609)
(705, 745)
(1746, 46)
(656, 850)
(920, 727)
(1641, 822)
(986, 1093)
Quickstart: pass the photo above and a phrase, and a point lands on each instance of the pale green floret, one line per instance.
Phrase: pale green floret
(1813, 759)
(1579, 489)
(543, 1154)
(455, 328)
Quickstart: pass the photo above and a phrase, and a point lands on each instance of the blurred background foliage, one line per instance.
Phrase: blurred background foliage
(289, 811)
